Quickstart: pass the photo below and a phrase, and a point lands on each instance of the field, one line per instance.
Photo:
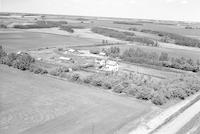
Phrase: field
(99, 101)
(24, 40)
(34, 104)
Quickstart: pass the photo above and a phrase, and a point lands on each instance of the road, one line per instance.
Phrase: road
(184, 123)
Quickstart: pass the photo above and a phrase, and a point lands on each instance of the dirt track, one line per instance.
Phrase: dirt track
(33, 104)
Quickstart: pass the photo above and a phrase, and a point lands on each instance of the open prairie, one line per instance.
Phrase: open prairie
(33, 104)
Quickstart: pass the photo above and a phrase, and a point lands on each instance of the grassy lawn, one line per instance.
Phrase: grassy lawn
(38, 104)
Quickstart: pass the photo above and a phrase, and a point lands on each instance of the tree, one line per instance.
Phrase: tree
(2, 52)
(163, 56)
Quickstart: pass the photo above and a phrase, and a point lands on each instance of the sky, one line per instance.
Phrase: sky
(181, 10)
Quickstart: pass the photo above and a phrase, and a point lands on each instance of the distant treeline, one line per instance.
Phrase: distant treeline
(126, 36)
(127, 23)
(172, 37)
(70, 28)
(41, 24)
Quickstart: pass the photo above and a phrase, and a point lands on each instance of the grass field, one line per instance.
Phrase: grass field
(13, 41)
(33, 104)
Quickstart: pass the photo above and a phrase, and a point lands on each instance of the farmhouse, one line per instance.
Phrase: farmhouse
(107, 65)
(111, 66)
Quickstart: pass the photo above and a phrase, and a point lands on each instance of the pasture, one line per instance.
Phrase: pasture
(38, 104)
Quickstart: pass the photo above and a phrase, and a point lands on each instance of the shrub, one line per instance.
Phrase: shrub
(178, 93)
(3, 26)
(119, 88)
(158, 99)
(75, 77)
(58, 71)
(112, 51)
(11, 57)
(144, 93)
(66, 28)
(97, 82)
(4, 60)
(133, 29)
(107, 85)
(163, 57)
(37, 70)
(2, 52)
(87, 80)
(23, 61)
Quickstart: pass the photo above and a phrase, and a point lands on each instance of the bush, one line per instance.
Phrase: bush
(97, 82)
(158, 99)
(3, 26)
(66, 28)
(23, 61)
(75, 77)
(112, 51)
(58, 71)
(37, 70)
(87, 80)
(118, 89)
(144, 93)
(2, 52)
(133, 29)
(107, 85)
(163, 57)
(178, 93)
(4, 60)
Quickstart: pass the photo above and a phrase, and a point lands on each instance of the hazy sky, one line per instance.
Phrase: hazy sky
(188, 10)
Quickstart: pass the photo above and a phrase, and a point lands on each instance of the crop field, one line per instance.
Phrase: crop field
(38, 104)
(15, 41)
(85, 74)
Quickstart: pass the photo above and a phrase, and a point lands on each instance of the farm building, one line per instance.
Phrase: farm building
(100, 62)
(107, 65)
(111, 66)
(66, 59)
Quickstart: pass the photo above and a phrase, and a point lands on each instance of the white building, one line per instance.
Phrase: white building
(65, 58)
(111, 66)
(107, 65)
(100, 62)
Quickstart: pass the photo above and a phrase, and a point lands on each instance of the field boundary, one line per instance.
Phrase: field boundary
(192, 102)
(151, 126)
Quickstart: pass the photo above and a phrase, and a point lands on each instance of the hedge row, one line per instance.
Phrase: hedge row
(127, 23)
(178, 39)
(145, 89)
(126, 36)
(152, 58)
(22, 61)
(42, 24)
